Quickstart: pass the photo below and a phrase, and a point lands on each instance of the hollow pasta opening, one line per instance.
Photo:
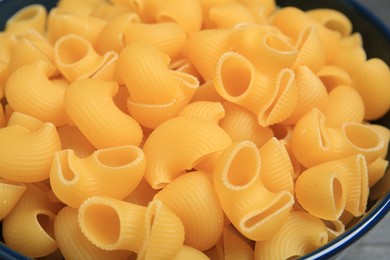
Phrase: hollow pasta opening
(361, 137)
(337, 193)
(337, 26)
(26, 14)
(117, 157)
(243, 168)
(64, 170)
(236, 76)
(102, 222)
(276, 43)
(47, 223)
(72, 50)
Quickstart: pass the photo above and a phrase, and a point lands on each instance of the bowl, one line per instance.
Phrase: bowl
(376, 39)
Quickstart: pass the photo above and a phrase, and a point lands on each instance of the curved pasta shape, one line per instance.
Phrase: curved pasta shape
(311, 50)
(371, 80)
(330, 143)
(241, 124)
(32, 16)
(177, 145)
(185, 66)
(61, 22)
(349, 58)
(72, 242)
(33, 216)
(268, 6)
(291, 21)
(384, 132)
(228, 15)
(188, 195)
(311, 93)
(204, 48)
(105, 126)
(24, 93)
(142, 195)
(187, 252)
(376, 170)
(207, 92)
(235, 247)
(333, 76)
(77, 59)
(344, 105)
(257, 213)
(331, 41)
(108, 10)
(213, 111)
(26, 153)
(340, 184)
(31, 48)
(276, 168)
(112, 36)
(300, 235)
(8, 42)
(167, 37)
(112, 224)
(72, 138)
(10, 192)
(78, 7)
(111, 172)
(335, 228)
(332, 19)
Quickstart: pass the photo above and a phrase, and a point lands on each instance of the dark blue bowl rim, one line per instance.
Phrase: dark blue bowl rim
(363, 226)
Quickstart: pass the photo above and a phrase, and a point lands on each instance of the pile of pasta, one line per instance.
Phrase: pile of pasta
(185, 129)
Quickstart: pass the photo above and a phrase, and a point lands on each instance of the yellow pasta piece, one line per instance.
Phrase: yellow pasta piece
(187, 252)
(207, 92)
(344, 105)
(93, 97)
(204, 48)
(112, 172)
(276, 168)
(112, 224)
(300, 235)
(167, 37)
(2, 117)
(26, 153)
(72, 242)
(335, 228)
(33, 216)
(176, 146)
(213, 111)
(333, 76)
(10, 194)
(332, 19)
(311, 93)
(8, 42)
(76, 59)
(29, 17)
(376, 170)
(267, 6)
(384, 132)
(242, 125)
(185, 66)
(195, 189)
(235, 247)
(229, 15)
(142, 195)
(257, 213)
(331, 41)
(72, 138)
(61, 22)
(112, 36)
(349, 57)
(24, 90)
(78, 7)
(371, 80)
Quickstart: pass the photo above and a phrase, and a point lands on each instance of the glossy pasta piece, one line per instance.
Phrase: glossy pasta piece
(187, 196)
(72, 138)
(283, 100)
(24, 90)
(213, 111)
(76, 59)
(31, 48)
(257, 213)
(10, 194)
(311, 50)
(177, 145)
(333, 76)
(301, 234)
(311, 93)
(142, 195)
(26, 153)
(253, 90)
(90, 106)
(33, 217)
(112, 36)
(291, 21)
(61, 22)
(187, 252)
(332, 19)
(72, 242)
(229, 15)
(167, 37)
(78, 7)
(204, 48)
(30, 17)
(112, 224)
(344, 105)
(235, 247)
(241, 124)
(376, 170)
(207, 92)
(111, 172)
(371, 80)
(276, 168)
